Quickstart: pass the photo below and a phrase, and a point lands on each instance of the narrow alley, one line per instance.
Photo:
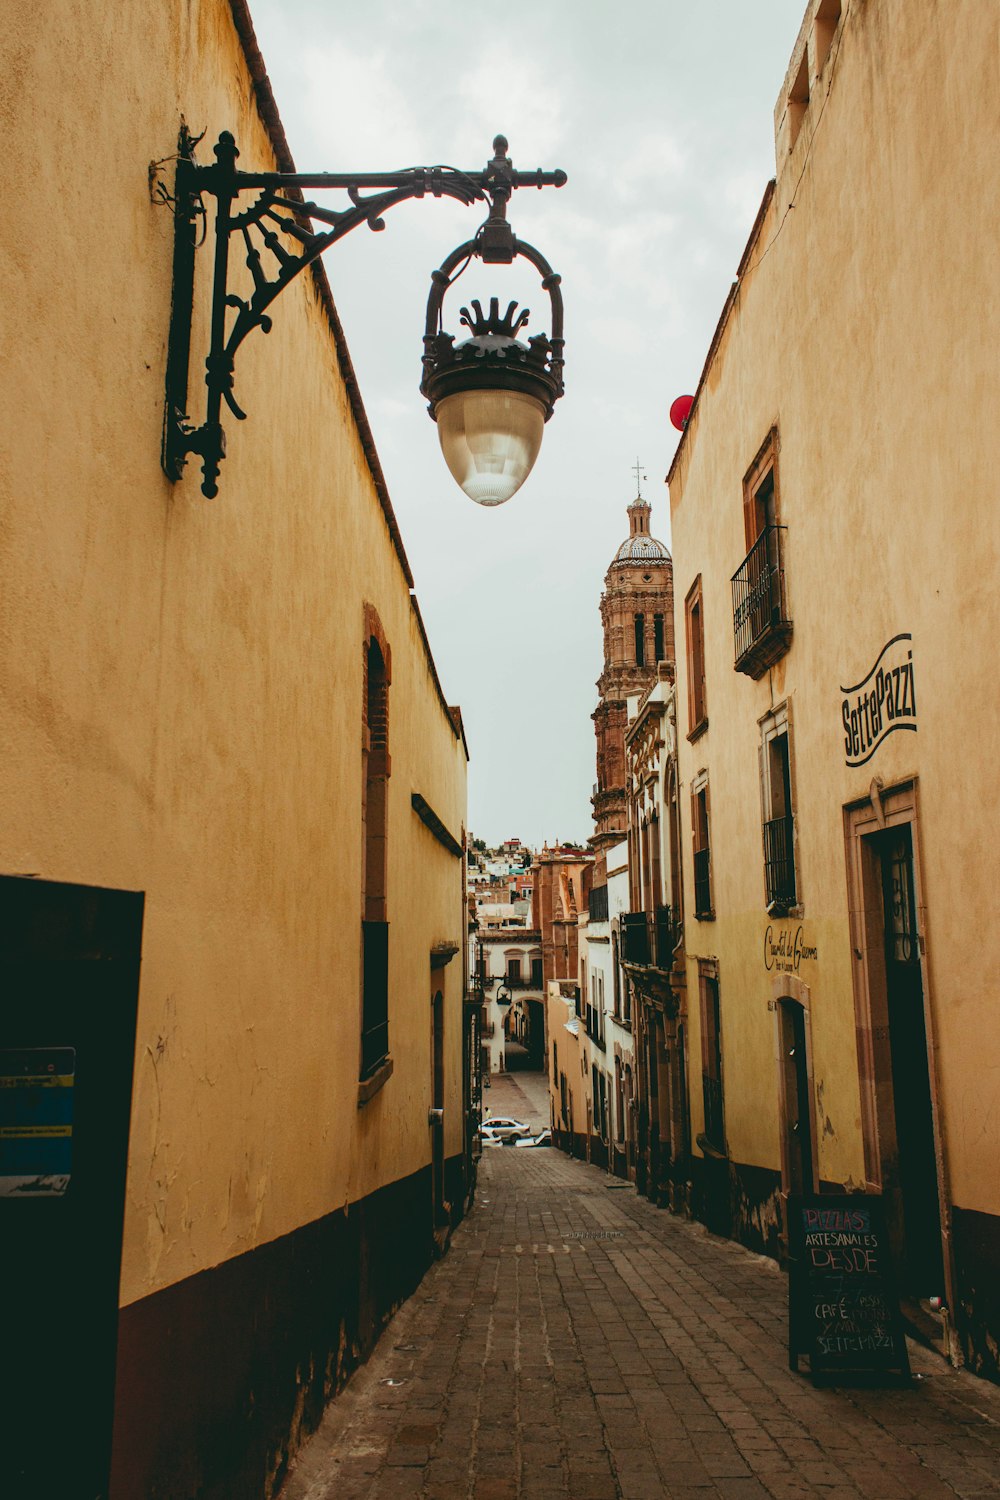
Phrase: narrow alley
(577, 1342)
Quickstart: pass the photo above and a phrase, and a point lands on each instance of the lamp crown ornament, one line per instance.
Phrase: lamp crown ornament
(486, 323)
(490, 395)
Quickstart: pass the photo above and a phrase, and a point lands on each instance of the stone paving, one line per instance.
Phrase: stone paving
(578, 1344)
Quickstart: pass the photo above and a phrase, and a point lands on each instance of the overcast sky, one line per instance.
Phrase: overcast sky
(661, 113)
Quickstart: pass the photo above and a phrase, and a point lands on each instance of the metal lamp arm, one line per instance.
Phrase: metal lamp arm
(279, 211)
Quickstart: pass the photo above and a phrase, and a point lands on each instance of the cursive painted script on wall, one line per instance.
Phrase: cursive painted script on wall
(785, 949)
(880, 703)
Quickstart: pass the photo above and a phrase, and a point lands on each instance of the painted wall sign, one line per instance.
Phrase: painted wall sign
(36, 1121)
(785, 949)
(880, 703)
(843, 1309)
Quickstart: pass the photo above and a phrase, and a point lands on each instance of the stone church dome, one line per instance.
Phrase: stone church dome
(639, 547)
(636, 549)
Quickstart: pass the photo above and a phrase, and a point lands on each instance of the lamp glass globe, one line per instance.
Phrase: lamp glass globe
(490, 440)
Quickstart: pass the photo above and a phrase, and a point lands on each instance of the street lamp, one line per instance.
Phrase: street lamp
(490, 395)
(503, 994)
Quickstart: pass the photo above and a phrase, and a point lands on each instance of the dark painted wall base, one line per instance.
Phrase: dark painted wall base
(976, 1240)
(573, 1142)
(223, 1374)
(739, 1202)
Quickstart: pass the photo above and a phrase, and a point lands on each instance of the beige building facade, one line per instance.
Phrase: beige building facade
(836, 551)
(226, 750)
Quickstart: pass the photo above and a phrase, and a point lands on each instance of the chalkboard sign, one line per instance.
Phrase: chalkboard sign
(843, 1310)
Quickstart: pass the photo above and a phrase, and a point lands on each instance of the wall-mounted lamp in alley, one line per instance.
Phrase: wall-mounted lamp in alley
(490, 395)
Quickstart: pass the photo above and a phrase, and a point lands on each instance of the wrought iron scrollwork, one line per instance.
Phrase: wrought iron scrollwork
(280, 214)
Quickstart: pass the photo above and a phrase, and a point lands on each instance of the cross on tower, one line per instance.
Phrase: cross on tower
(640, 475)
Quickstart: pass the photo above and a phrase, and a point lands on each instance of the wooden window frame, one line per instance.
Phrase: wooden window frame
(699, 788)
(697, 694)
(765, 463)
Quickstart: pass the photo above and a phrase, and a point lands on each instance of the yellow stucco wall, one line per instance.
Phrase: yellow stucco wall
(181, 679)
(864, 330)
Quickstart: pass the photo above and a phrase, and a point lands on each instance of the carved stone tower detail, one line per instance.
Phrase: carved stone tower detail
(637, 610)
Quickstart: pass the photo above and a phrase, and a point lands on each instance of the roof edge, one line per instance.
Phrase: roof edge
(268, 110)
(720, 327)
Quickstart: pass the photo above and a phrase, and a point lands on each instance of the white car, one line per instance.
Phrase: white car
(500, 1128)
(544, 1138)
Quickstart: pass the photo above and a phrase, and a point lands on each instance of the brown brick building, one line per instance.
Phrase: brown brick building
(637, 611)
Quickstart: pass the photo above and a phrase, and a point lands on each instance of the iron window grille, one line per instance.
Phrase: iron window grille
(375, 1002)
(779, 862)
(711, 1090)
(598, 903)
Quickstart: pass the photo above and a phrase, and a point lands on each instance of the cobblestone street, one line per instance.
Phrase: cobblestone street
(576, 1342)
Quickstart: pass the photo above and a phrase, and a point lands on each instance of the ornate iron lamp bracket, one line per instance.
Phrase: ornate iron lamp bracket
(279, 213)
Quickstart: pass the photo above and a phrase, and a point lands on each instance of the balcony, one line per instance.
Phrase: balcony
(702, 884)
(517, 982)
(779, 863)
(598, 903)
(649, 938)
(762, 631)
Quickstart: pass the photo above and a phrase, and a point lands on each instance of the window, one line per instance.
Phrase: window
(798, 99)
(658, 637)
(824, 26)
(513, 970)
(701, 834)
(595, 1008)
(713, 1136)
(761, 629)
(697, 704)
(777, 813)
(374, 815)
(599, 1096)
(537, 980)
(640, 630)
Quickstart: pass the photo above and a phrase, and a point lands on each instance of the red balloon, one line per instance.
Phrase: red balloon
(680, 411)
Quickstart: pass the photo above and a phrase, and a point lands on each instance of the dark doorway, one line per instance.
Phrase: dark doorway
(536, 1036)
(795, 1099)
(69, 980)
(903, 1085)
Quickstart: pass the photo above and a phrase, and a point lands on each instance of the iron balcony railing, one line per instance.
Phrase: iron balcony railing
(702, 883)
(760, 627)
(649, 938)
(779, 862)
